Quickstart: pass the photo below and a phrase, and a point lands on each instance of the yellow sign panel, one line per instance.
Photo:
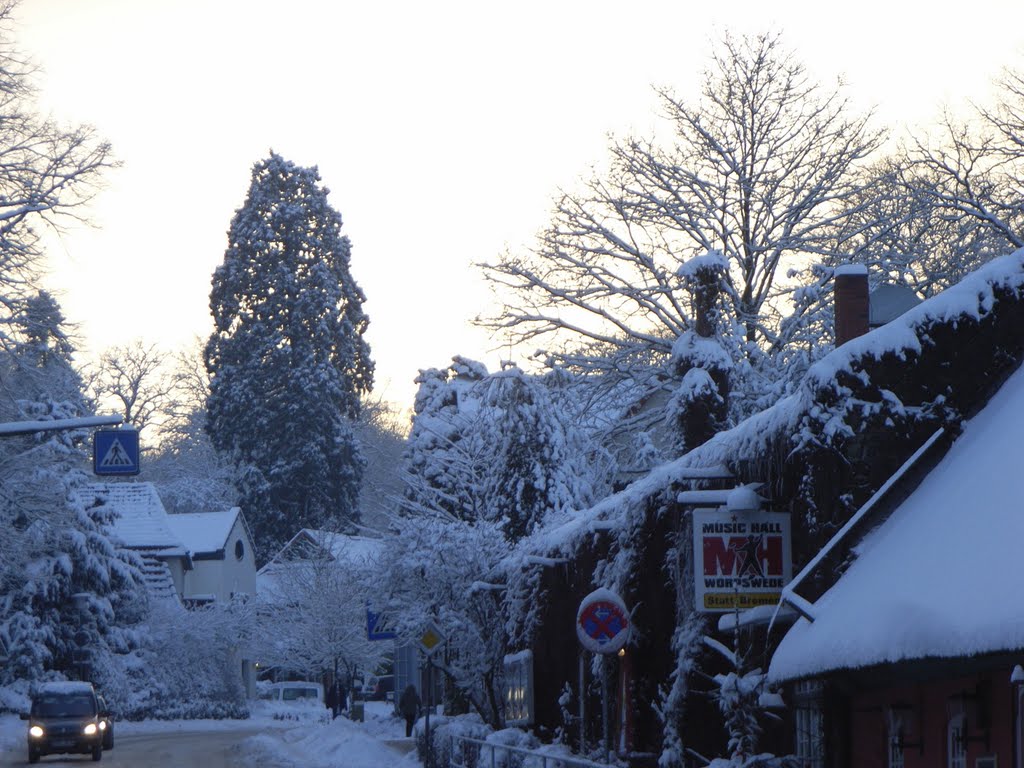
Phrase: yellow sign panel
(431, 639)
(718, 601)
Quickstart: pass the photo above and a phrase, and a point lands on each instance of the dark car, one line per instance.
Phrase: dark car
(65, 717)
(378, 688)
(106, 722)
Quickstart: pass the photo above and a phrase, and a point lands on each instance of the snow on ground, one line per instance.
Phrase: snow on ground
(379, 742)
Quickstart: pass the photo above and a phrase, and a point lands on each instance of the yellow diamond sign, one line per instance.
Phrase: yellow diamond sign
(431, 639)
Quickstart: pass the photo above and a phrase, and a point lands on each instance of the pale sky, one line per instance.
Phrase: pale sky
(443, 130)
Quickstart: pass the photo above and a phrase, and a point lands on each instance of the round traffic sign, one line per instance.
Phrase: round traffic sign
(602, 622)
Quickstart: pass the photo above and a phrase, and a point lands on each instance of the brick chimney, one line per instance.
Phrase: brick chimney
(851, 296)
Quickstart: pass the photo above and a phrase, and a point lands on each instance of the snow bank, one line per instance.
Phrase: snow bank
(341, 742)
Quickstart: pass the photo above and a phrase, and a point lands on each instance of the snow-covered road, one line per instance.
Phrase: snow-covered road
(255, 743)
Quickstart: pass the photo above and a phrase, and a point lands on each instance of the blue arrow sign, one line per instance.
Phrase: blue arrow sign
(115, 452)
(377, 626)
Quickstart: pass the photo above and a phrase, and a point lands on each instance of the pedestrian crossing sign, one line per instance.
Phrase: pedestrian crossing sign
(115, 452)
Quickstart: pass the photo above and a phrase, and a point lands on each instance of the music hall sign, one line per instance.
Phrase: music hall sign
(741, 559)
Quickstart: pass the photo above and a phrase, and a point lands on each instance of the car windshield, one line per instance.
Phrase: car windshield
(63, 705)
(292, 694)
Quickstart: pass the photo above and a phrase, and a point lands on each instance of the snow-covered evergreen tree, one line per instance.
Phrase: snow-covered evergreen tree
(59, 572)
(287, 358)
(539, 465)
(490, 457)
(496, 447)
(442, 464)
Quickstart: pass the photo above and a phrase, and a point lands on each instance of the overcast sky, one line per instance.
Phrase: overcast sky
(442, 129)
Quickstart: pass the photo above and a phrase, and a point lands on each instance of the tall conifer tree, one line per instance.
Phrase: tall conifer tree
(59, 573)
(287, 358)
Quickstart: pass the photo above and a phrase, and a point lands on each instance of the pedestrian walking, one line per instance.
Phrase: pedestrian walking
(342, 697)
(409, 706)
(333, 695)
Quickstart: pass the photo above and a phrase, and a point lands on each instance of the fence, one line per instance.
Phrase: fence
(474, 753)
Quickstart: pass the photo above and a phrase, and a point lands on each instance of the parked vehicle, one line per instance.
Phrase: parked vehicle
(378, 688)
(296, 700)
(65, 718)
(297, 690)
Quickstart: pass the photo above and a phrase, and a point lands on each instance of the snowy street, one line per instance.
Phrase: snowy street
(256, 743)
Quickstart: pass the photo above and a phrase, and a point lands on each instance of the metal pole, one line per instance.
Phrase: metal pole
(31, 427)
(426, 727)
(583, 706)
(605, 714)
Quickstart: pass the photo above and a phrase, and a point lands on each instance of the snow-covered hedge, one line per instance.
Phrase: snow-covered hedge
(443, 732)
(14, 698)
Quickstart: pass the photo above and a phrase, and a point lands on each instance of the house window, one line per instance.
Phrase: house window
(895, 741)
(956, 743)
(239, 550)
(810, 723)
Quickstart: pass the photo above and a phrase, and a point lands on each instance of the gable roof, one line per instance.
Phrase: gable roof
(205, 533)
(822, 406)
(938, 577)
(141, 521)
(291, 565)
(357, 550)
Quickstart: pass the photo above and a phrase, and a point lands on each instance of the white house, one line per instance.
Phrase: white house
(141, 524)
(192, 559)
(221, 549)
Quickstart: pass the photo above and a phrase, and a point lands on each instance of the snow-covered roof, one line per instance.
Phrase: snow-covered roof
(204, 532)
(357, 550)
(940, 576)
(141, 521)
(288, 565)
(974, 296)
(888, 301)
(64, 686)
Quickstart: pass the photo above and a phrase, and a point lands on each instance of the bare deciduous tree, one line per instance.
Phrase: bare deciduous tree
(314, 611)
(975, 169)
(134, 380)
(48, 172)
(759, 170)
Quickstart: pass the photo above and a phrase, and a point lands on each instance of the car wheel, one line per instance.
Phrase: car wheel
(33, 755)
(97, 753)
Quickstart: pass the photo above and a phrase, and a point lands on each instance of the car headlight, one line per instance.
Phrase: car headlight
(103, 725)
(36, 732)
(90, 729)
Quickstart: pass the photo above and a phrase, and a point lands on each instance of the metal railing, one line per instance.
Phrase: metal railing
(475, 753)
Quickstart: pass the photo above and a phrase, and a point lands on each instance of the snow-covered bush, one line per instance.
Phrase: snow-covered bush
(187, 666)
(444, 731)
(14, 697)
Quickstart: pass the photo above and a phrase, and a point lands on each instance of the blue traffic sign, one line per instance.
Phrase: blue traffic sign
(115, 452)
(377, 626)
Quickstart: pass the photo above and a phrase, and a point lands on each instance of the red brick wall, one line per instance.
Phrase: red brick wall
(930, 713)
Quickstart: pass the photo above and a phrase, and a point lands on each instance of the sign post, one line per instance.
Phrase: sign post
(602, 626)
(431, 639)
